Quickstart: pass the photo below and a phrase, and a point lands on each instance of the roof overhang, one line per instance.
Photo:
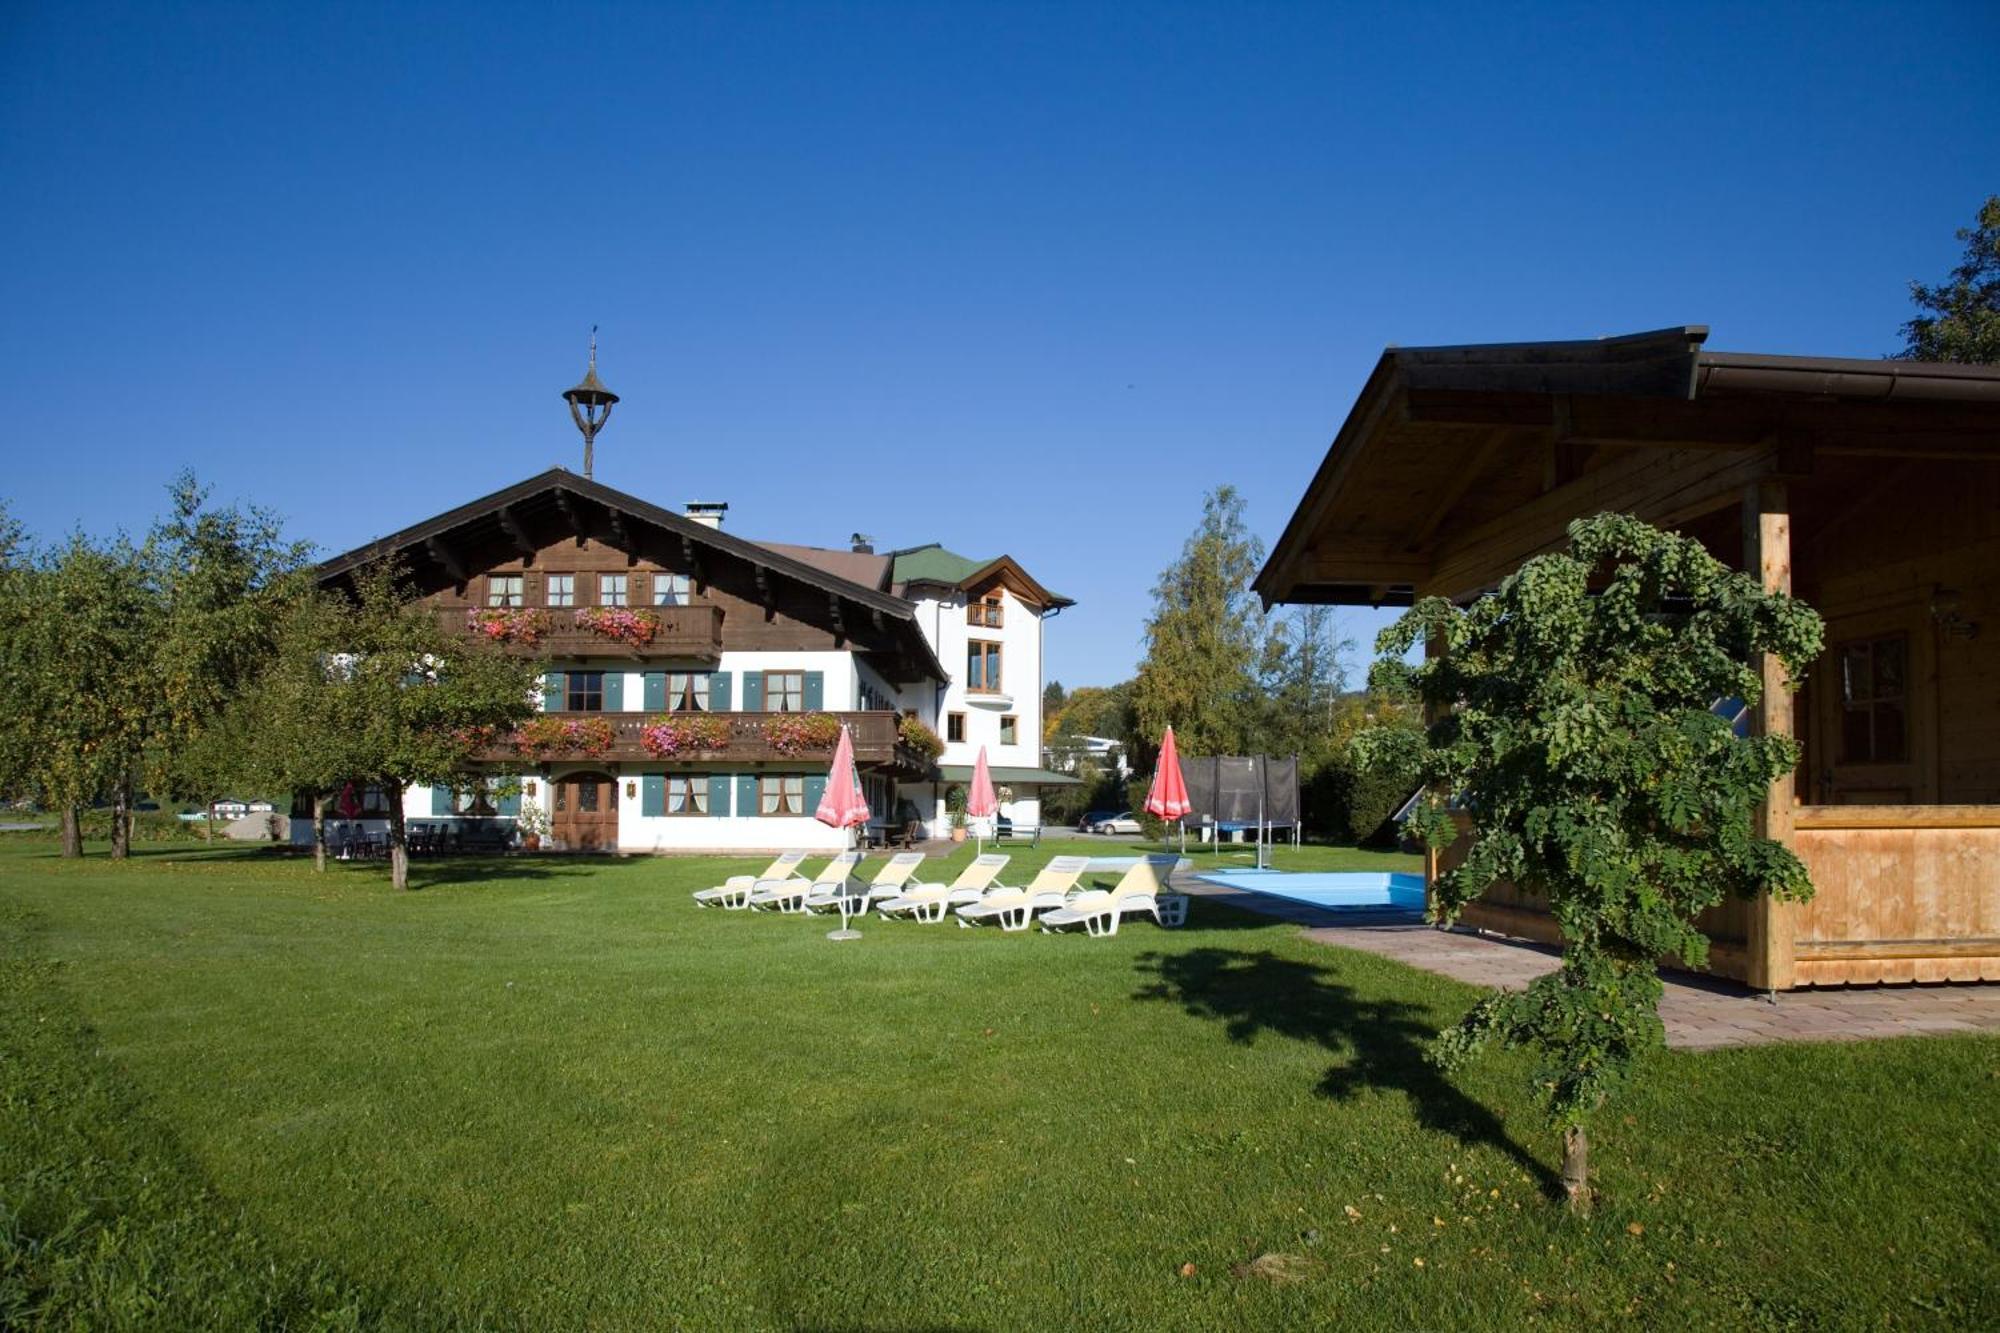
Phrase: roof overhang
(1007, 571)
(519, 520)
(1456, 462)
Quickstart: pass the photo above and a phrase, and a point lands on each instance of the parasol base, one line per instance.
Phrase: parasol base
(843, 934)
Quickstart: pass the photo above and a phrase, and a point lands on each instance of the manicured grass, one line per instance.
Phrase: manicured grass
(553, 1094)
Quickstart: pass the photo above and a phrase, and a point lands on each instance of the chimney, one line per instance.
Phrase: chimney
(708, 513)
(863, 544)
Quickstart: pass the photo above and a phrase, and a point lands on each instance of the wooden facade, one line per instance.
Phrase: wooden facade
(1871, 489)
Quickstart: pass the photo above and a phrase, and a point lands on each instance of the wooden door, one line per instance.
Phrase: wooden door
(586, 812)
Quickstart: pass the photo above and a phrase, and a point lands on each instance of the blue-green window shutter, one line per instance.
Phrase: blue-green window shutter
(652, 793)
(815, 689)
(718, 794)
(554, 686)
(718, 691)
(815, 790)
(753, 691)
(746, 793)
(441, 802)
(656, 691)
(614, 691)
(510, 804)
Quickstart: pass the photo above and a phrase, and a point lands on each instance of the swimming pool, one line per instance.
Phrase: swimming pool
(1334, 889)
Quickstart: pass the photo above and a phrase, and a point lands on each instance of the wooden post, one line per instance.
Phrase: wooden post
(1767, 557)
(1433, 649)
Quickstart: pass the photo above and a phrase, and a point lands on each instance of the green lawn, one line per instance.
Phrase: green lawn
(553, 1094)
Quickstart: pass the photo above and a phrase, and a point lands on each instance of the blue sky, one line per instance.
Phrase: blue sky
(1023, 278)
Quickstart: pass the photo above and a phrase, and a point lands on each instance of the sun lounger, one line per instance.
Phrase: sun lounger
(789, 895)
(734, 892)
(929, 902)
(1014, 908)
(1100, 910)
(888, 882)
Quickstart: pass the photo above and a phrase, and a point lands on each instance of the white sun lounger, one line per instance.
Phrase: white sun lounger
(734, 892)
(1014, 908)
(888, 882)
(929, 902)
(789, 895)
(1099, 911)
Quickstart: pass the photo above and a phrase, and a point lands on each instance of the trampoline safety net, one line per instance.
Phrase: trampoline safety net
(1226, 788)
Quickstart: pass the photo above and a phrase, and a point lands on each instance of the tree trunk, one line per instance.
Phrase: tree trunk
(208, 823)
(121, 826)
(399, 852)
(72, 831)
(1576, 1168)
(319, 831)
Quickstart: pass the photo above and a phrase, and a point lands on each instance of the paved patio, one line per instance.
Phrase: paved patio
(1700, 1013)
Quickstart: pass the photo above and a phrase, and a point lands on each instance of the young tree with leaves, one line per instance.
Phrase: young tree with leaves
(224, 578)
(1204, 637)
(1962, 323)
(377, 686)
(1576, 729)
(75, 623)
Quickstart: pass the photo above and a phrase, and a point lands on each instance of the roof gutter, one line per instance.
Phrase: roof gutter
(1843, 377)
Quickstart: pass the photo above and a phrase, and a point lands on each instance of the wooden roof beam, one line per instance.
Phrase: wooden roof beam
(510, 523)
(571, 516)
(622, 535)
(1461, 482)
(448, 558)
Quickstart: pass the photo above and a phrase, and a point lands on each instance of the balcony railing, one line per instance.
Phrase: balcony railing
(878, 742)
(678, 631)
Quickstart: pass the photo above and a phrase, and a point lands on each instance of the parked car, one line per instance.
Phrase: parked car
(1090, 818)
(1118, 823)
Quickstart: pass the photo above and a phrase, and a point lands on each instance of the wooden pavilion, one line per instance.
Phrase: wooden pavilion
(1869, 488)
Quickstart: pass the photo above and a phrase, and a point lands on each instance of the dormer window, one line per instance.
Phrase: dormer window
(984, 611)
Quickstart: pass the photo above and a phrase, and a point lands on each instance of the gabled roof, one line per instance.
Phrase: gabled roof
(932, 563)
(1453, 457)
(518, 520)
(863, 567)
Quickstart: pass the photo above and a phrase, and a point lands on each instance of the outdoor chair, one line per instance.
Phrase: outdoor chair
(790, 894)
(1099, 911)
(734, 892)
(1014, 908)
(929, 902)
(888, 882)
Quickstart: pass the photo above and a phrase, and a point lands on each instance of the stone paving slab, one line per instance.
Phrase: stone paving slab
(1700, 1013)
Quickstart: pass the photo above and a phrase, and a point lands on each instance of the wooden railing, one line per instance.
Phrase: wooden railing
(684, 631)
(878, 742)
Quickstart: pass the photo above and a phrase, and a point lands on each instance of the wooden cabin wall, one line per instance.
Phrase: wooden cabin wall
(1899, 905)
(745, 624)
(1506, 909)
(1871, 557)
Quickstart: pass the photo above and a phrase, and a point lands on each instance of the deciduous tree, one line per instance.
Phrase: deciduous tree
(1204, 636)
(1962, 319)
(1576, 731)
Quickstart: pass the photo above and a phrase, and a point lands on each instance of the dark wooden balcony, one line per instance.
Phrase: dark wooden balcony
(685, 632)
(878, 743)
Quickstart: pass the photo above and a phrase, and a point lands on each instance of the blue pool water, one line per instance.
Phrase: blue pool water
(1332, 890)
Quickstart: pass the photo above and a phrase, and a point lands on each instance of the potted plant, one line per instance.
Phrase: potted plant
(954, 803)
(532, 824)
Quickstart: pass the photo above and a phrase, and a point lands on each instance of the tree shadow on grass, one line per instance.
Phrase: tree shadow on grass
(1380, 1041)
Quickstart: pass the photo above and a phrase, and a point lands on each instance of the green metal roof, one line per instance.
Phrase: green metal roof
(933, 564)
(1040, 777)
